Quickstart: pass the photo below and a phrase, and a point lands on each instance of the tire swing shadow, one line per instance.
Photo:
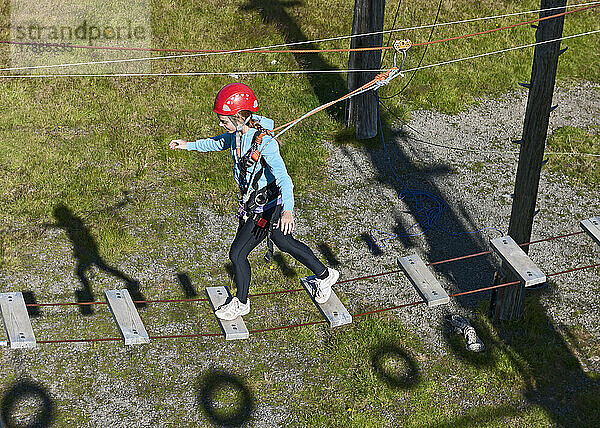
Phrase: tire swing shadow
(22, 396)
(217, 385)
(394, 366)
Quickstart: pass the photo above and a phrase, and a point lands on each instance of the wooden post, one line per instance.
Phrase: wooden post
(507, 303)
(361, 111)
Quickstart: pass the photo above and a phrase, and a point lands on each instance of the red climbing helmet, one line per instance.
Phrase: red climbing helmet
(235, 97)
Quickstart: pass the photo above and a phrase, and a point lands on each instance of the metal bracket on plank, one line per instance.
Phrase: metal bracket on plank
(518, 261)
(234, 329)
(592, 227)
(16, 321)
(423, 280)
(126, 316)
(333, 310)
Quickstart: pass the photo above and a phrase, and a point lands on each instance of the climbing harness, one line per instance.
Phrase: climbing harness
(254, 154)
(255, 202)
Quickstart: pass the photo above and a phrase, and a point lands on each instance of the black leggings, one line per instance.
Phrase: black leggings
(248, 236)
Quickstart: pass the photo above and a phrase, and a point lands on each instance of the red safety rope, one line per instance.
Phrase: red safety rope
(295, 290)
(505, 27)
(417, 302)
(300, 51)
(263, 330)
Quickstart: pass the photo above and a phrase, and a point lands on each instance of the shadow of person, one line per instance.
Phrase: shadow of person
(85, 251)
(26, 394)
(286, 269)
(326, 251)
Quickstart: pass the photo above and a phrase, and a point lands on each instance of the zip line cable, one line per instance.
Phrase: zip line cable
(244, 73)
(501, 51)
(292, 51)
(389, 75)
(264, 49)
(499, 152)
(263, 330)
(465, 149)
(390, 38)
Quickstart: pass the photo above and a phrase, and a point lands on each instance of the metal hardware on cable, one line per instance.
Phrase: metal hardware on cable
(403, 46)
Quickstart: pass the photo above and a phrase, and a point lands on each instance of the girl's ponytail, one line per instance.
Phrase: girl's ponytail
(253, 123)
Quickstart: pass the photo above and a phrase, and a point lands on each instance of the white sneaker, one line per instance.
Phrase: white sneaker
(233, 309)
(463, 326)
(323, 286)
(474, 343)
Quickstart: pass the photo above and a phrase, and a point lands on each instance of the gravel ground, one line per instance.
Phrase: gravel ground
(476, 186)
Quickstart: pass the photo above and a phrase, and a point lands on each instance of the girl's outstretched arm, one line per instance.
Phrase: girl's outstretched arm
(178, 144)
(214, 144)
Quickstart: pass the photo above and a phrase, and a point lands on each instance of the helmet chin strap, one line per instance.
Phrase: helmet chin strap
(238, 133)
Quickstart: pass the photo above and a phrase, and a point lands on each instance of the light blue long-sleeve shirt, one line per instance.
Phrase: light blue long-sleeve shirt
(275, 171)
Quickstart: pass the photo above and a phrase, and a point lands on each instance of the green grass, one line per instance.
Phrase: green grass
(115, 131)
(581, 170)
(99, 146)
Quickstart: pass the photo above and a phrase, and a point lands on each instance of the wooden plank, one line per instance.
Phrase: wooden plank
(423, 280)
(234, 329)
(517, 261)
(592, 227)
(333, 309)
(126, 316)
(16, 320)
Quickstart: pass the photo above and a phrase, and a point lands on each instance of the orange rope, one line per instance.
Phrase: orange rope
(506, 27)
(378, 78)
(386, 74)
(299, 51)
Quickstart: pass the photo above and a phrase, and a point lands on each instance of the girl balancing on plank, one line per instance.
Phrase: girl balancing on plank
(266, 194)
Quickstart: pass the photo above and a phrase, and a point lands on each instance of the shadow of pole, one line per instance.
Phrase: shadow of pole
(552, 374)
(326, 87)
(416, 175)
(466, 275)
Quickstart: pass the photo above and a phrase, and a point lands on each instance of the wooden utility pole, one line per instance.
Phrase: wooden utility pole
(507, 302)
(361, 111)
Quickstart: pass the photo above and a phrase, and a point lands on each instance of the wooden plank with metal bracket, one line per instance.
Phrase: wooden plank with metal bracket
(232, 330)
